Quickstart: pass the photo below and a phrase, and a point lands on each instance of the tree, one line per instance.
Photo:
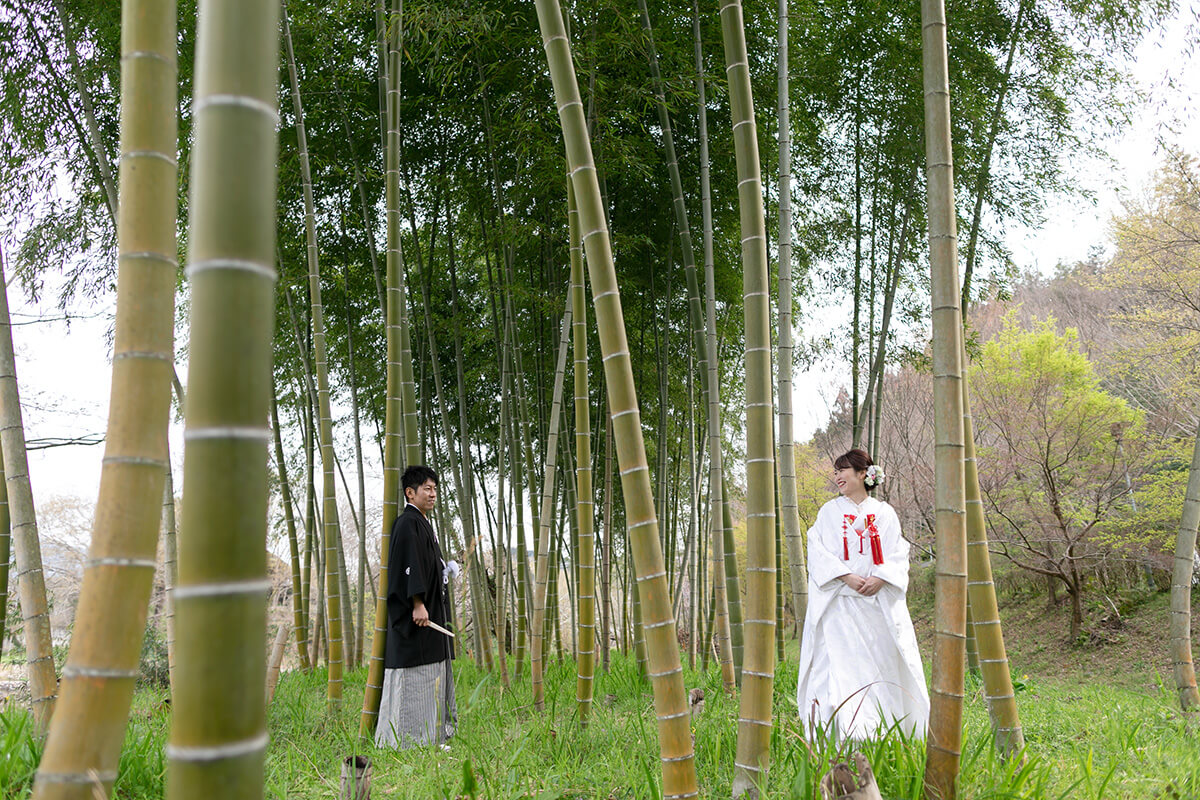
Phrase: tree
(1056, 446)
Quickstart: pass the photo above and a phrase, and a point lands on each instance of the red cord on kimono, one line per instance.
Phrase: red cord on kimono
(876, 544)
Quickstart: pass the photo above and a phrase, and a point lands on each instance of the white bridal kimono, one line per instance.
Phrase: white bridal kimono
(859, 654)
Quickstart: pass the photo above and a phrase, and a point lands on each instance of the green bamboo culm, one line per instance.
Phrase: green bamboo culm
(797, 575)
(983, 611)
(218, 736)
(329, 511)
(665, 670)
(585, 503)
(1181, 589)
(84, 744)
(944, 745)
(758, 668)
(398, 443)
(5, 549)
(27, 552)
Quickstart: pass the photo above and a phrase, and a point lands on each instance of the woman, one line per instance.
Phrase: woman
(859, 665)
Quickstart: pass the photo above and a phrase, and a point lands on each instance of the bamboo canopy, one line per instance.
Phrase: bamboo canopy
(84, 745)
(665, 670)
(218, 733)
(944, 745)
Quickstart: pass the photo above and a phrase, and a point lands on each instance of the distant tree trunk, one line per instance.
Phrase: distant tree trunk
(299, 613)
(329, 513)
(39, 655)
(537, 649)
(1181, 589)
(674, 729)
(218, 733)
(944, 746)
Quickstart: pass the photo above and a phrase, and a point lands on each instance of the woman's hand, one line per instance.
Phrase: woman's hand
(871, 586)
(852, 580)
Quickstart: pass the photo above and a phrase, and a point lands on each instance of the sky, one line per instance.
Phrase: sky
(63, 365)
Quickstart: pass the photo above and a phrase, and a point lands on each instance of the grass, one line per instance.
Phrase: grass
(1086, 741)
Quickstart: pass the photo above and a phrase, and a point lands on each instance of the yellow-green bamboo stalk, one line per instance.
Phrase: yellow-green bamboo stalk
(1181, 589)
(666, 674)
(585, 504)
(31, 584)
(170, 563)
(716, 480)
(788, 505)
(218, 734)
(537, 648)
(299, 612)
(85, 739)
(5, 549)
(329, 510)
(984, 619)
(944, 746)
(758, 669)
(398, 445)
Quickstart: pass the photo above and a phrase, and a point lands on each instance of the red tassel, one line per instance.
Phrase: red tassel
(876, 544)
(847, 519)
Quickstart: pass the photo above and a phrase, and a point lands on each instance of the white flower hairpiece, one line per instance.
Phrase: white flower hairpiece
(875, 476)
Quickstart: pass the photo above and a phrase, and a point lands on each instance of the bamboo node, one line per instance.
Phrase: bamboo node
(217, 752)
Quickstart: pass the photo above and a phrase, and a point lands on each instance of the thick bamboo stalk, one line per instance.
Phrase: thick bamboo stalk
(944, 745)
(1181, 589)
(170, 562)
(758, 669)
(788, 504)
(329, 510)
(31, 584)
(393, 438)
(984, 621)
(716, 480)
(5, 549)
(299, 613)
(585, 505)
(85, 739)
(607, 623)
(218, 734)
(537, 649)
(666, 674)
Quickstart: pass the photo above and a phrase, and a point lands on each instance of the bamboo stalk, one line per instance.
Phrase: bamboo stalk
(666, 674)
(944, 745)
(329, 513)
(537, 649)
(983, 612)
(788, 504)
(299, 613)
(84, 744)
(758, 669)
(1181, 589)
(276, 659)
(31, 584)
(5, 549)
(218, 734)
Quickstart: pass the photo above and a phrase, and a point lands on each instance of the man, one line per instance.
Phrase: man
(417, 707)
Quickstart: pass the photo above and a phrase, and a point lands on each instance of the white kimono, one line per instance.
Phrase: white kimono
(859, 658)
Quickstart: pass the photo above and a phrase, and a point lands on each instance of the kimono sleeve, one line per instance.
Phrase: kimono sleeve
(894, 569)
(417, 564)
(824, 561)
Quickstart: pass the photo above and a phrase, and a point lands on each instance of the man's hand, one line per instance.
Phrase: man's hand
(871, 586)
(420, 613)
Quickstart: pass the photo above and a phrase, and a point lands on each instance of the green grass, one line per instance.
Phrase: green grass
(1083, 741)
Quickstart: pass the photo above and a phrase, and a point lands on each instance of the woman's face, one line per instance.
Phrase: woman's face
(849, 480)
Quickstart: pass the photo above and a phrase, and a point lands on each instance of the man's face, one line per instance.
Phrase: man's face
(424, 497)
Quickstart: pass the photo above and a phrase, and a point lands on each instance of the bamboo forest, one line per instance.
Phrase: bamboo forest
(480, 399)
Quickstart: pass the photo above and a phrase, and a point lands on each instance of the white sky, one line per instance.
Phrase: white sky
(63, 368)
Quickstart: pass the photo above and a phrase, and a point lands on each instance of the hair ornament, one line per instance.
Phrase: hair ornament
(875, 476)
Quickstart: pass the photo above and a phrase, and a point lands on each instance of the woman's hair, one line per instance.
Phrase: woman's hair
(856, 459)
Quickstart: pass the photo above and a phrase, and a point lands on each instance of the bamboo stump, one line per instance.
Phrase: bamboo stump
(840, 782)
(356, 778)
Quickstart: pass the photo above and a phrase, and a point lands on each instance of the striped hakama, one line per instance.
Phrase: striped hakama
(417, 707)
